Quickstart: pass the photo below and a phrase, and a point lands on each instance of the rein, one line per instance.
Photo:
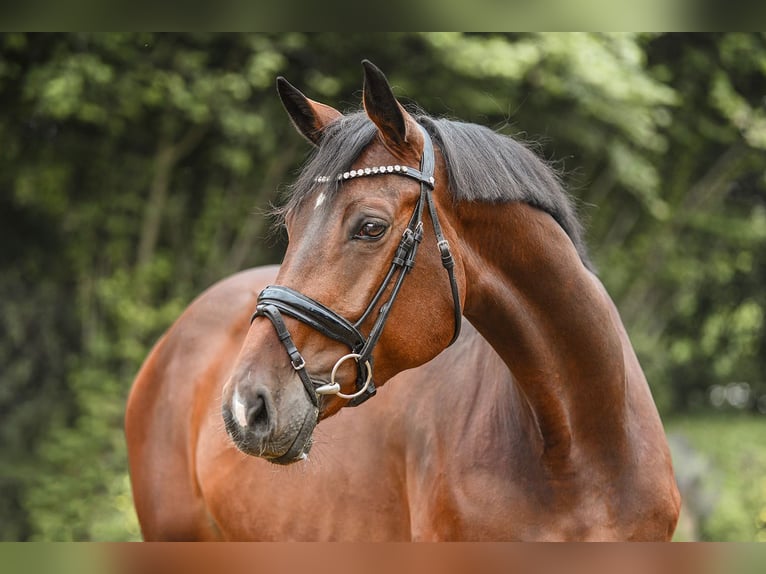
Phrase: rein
(276, 300)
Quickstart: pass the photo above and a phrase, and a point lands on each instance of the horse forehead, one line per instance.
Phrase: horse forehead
(318, 208)
(315, 224)
(320, 199)
(312, 220)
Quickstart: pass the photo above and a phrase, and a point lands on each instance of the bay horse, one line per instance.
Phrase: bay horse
(530, 419)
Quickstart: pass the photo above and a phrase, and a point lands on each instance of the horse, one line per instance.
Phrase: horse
(437, 268)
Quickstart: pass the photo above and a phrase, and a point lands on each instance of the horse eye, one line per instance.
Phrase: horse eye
(371, 230)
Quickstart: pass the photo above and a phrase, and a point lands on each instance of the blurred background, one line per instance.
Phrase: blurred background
(135, 170)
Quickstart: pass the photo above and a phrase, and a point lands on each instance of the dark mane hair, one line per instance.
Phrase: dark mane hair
(482, 166)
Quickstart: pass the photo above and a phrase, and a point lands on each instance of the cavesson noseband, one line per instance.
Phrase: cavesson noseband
(276, 300)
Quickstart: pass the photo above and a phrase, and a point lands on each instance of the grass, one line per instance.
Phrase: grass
(720, 463)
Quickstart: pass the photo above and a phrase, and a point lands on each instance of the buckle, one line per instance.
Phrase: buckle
(447, 261)
(298, 362)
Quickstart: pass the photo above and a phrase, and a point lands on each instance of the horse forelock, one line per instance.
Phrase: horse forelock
(341, 144)
(482, 166)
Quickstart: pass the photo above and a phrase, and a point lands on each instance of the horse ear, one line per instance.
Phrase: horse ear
(308, 117)
(397, 127)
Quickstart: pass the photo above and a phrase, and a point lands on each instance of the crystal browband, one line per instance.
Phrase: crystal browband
(382, 170)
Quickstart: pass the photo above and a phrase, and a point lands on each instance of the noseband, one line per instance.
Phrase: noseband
(276, 300)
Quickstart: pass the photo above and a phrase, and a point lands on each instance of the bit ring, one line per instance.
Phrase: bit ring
(333, 388)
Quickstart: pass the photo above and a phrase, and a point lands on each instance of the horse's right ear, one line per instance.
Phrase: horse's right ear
(308, 117)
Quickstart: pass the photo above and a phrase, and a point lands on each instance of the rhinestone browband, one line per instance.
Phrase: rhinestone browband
(383, 169)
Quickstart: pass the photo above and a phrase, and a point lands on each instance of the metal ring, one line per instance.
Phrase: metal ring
(334, 388)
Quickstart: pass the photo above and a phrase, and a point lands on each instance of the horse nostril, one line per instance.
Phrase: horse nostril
(257, 416)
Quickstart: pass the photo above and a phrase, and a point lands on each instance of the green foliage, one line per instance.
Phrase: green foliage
(90, 450)
(132, 167)
(135, 168)
(734, 476)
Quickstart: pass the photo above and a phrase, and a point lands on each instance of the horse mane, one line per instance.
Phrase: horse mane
(482, 166)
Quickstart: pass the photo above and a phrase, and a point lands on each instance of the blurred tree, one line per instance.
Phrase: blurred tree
(135, 168)
(131, 165)
(690, 287)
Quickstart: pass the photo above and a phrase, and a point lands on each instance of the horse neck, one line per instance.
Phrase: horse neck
(549, 319)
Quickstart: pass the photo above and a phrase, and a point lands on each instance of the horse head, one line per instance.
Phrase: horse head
(341, 319)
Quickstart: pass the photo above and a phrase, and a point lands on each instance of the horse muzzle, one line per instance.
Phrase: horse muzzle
(258, 426)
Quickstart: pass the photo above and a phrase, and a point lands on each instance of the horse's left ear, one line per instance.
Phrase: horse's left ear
(398, 129)
(309, 117)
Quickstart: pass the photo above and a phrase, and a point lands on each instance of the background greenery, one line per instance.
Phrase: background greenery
(134, 169)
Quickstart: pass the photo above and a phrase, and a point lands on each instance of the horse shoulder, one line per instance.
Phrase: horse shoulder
(185, 369)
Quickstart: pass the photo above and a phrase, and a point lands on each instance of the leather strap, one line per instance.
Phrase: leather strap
(296, 359)
(448, 262)
(313, 313)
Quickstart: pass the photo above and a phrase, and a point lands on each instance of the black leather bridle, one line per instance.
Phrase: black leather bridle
(276, 300)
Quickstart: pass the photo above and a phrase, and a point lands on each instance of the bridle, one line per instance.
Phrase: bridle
(276, 300)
